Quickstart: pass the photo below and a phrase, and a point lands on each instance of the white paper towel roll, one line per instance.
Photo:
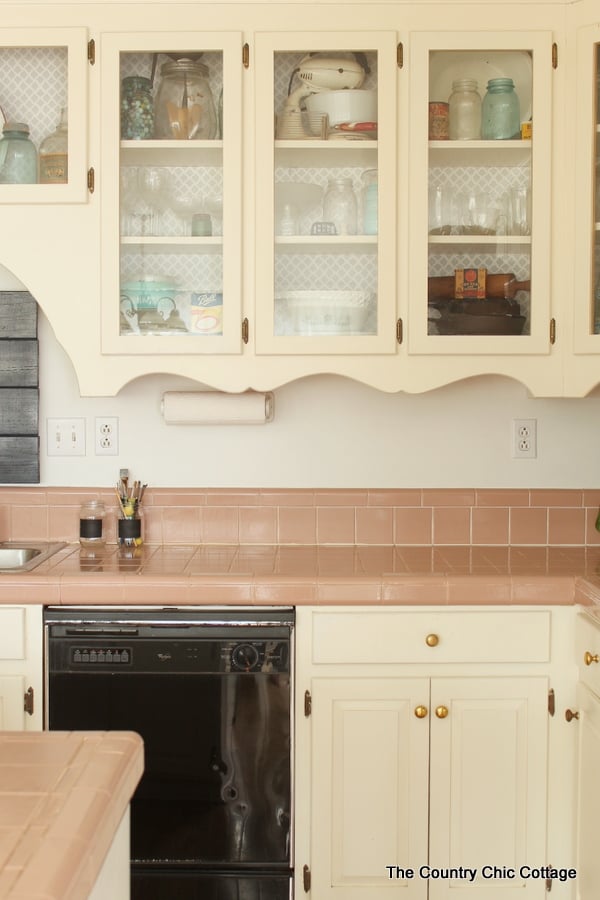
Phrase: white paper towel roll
(216, 408)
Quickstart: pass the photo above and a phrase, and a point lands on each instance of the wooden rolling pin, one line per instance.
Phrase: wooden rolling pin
(500, 285)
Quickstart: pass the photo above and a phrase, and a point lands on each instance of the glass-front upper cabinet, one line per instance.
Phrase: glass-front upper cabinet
(480, 215)
(587, 194)
(43, 115)
(171, 192)
(325, 192)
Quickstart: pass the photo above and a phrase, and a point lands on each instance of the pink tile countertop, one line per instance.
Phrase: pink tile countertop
(62, 797)
(292, 575)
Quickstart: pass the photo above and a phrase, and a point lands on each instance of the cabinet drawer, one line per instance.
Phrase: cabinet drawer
(12, 632)
(390, 636)
(587, 651)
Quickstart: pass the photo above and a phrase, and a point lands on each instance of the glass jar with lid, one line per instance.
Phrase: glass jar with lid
(339, 205)
(464, 111)
(184, 108)
(500, 113)
(137, 109)
(91, 518)
(54, 166)
(18, 156)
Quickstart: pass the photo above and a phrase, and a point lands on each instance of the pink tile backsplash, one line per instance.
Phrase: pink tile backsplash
(332, 517)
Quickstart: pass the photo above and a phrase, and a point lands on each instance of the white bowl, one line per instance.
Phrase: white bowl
(324, 312)
(344, 106)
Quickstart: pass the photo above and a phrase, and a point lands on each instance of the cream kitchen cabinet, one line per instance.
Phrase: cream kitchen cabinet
(252, 306)
(582, 368)
(422, 745)
(43, 70)
(21, 668)
(587, 712)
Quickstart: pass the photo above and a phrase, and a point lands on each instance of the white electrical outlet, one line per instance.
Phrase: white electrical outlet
(106, 436)
(524, 438)
(65, 437)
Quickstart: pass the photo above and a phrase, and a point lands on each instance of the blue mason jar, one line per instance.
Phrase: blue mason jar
(18, 156)
(500, 113)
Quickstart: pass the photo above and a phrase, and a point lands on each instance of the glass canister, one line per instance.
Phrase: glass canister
(500, 113)
(137, 109)
(339, 205)
(464, 111)
(91, 519)
(370, 201)
(184, 108)
(54, 160)
(18, 156)
(129, 525)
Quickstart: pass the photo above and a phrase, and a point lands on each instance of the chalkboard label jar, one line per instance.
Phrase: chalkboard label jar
(91, 520)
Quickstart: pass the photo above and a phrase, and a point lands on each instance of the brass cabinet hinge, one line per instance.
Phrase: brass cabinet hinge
(92, 52)
(307, 704)
(399, 331)
(245, 330)
(551, 702)
(552, 331)
(306, 878)
(91, 180)
(28, 701)
(555, 56)
(400, 55)
(246, 55)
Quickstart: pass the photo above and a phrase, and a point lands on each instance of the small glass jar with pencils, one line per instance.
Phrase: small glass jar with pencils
(129, 525)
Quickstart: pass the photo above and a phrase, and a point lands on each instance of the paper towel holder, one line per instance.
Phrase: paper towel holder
(217, 407)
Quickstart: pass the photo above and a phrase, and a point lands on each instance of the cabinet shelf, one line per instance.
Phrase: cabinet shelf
(319, 153)
(480, 153)
(185, 153)
(327, 243)
(462, 240)
(184, 244)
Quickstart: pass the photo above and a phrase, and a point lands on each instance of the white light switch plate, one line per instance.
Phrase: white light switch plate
(65, 437)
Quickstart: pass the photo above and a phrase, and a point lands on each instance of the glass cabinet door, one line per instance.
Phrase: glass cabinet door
(480, 221)
(171, 193)
(325, 192)
(587, 194)
(43, 85)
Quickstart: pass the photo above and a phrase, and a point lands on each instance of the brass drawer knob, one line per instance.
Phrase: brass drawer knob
(420, 712)
(432, 640)
(441, 712)
(570, 715)
(590, 658)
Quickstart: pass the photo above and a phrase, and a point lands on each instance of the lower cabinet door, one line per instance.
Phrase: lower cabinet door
(12, 713)
(488, 788)
(370, 747)
(588, 858)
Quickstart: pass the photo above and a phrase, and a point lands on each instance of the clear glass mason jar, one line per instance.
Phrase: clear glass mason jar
(54, 160)
(464, 111)
(184, 108)
(500, 113)
(339, 205)
(18, 156)
(91, 520)
(137, 109)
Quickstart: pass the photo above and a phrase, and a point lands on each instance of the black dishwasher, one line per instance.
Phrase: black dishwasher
(209, 690)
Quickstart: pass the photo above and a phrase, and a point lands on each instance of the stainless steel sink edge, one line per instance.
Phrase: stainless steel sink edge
(23, 556)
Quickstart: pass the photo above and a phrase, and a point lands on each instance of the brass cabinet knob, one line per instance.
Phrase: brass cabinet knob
(570, 715)
(432, 640)
(441, 712)
(589, 658)
(420, 712)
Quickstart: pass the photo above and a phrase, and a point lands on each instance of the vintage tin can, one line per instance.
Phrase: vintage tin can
(438, 121)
